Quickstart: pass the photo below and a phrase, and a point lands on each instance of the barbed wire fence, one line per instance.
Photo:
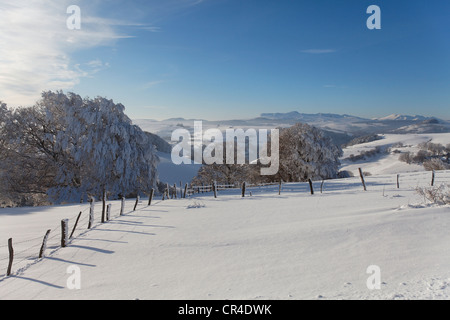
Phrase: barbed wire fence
(27, 251)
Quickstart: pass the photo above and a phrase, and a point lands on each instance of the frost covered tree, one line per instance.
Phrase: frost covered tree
(27, 167)
(4, 116)
(73, 148)
(306, 153)
(230, 174)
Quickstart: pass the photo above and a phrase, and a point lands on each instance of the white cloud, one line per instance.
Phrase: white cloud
(36, 47)
(150, 84)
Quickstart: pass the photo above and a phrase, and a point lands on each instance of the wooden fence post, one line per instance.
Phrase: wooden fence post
(432, 178)
(136, 204)
(243, 189)
(311, 186)
(91, 214)
(108, 212)
(175, 190)
(75, 226)
(362, 178)
(11, 256)
(185, 190)
(103, 205)
(150, 198)
(215, 189)
(398, 181)
(64, 232)
(44, 245)
(122, 206)
(279, 188)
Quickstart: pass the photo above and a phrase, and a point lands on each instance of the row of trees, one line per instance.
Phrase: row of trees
(304, 153)
(66, 148)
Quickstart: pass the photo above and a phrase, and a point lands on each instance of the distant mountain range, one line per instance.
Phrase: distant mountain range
(330, 116)
(402, 117)
(308, 117)
(342, 127)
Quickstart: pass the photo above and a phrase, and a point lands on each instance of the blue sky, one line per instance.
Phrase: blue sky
(226, 59)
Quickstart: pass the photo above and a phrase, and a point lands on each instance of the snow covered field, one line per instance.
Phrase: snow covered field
(263, 246)
(388, 163)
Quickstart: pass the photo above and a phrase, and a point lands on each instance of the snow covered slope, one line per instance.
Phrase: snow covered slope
(388, 163)
(263, 246)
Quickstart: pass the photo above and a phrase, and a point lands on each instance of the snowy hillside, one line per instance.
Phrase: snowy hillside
(389, 163)
(383, 163)
(402, 117)
(264, 246)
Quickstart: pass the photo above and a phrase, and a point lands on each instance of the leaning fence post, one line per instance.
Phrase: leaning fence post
(362, 178)
(64, 232)
(136, 204)
(11, 256)
(185, 190)
(432, 178)
(44, 245)
(75, 226)
(311, 186)
(150, 198)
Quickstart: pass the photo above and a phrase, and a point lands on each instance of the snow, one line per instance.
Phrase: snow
(389, 163)
(263, 246)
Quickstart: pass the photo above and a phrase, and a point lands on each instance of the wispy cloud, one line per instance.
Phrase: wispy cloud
(318, 51)
(151, 29)
(36, 47)
(151, 84)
